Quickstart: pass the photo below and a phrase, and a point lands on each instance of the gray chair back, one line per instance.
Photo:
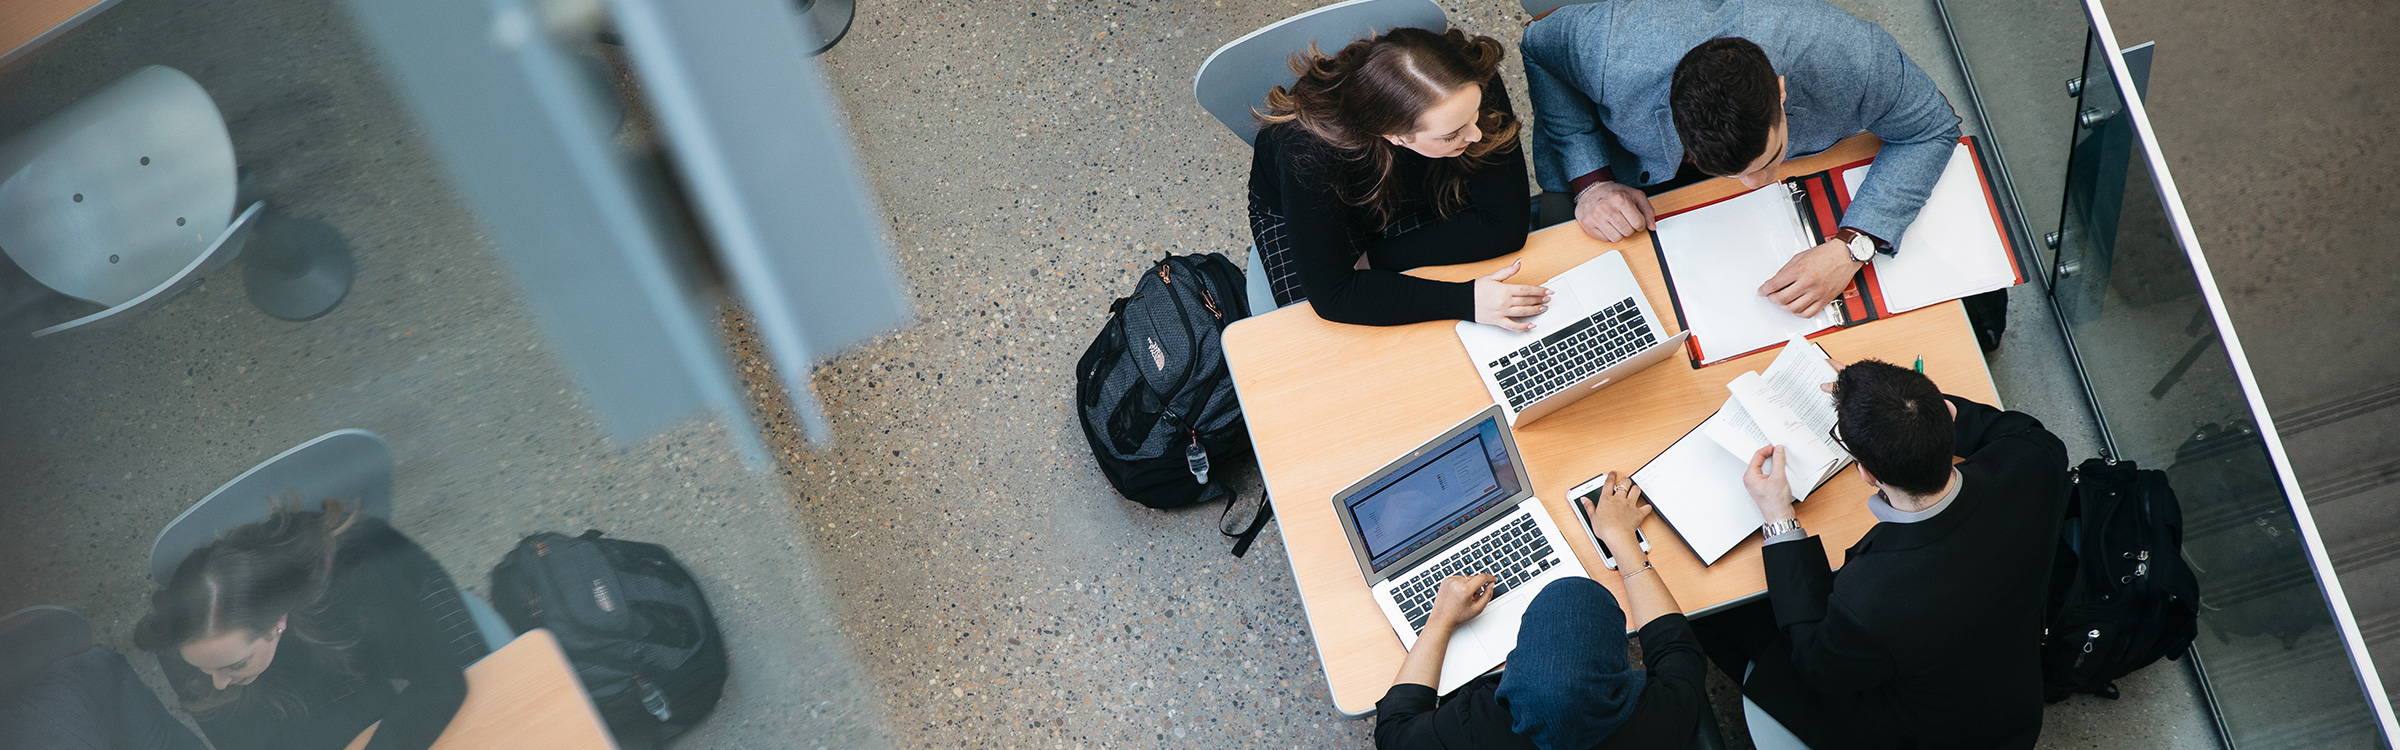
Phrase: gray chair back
(1236, 77)
(354, 466)
(119, 191)
(228, 244)
(34, 637)
(1538, 7)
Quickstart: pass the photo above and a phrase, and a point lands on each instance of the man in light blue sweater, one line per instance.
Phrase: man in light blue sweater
(1652, 94)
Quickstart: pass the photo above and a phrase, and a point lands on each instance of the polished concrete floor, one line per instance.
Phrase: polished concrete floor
(952, 571)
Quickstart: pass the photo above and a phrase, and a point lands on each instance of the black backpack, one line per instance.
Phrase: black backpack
(1156, 401)
(632, 621)
(2121, 595)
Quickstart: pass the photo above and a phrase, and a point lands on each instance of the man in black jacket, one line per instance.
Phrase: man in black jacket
(1930, 635)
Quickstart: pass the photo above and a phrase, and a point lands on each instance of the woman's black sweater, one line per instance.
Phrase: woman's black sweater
(402, 611)
(1295, 210)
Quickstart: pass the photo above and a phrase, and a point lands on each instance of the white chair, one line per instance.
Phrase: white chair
(125, 197)
(352, 465)
(1765, 732)
(1235, 79)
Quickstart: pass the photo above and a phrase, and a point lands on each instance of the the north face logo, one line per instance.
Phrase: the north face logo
(600, 594)
(1158, 357)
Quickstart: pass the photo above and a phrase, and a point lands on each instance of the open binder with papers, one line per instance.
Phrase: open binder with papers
(1696, 484)
(1716, 255)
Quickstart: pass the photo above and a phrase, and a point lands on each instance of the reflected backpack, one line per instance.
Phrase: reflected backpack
(2121, 595)
(632, 621)
(1155, 399)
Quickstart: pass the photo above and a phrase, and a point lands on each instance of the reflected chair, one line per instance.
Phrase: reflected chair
(34, 637)
(1234, 80)
(125, 198)
(352, 465)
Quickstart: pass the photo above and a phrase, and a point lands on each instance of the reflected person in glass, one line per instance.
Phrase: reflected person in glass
(305, 629)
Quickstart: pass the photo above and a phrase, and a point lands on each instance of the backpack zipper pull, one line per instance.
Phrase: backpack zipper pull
(2088, 640)
(1195, 458)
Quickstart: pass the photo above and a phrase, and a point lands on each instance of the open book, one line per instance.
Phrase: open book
(1697, 483)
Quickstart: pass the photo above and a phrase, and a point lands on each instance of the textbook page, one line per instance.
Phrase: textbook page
(1697, 486)
(1717, 256)
(1952, 250)
(1794, 412)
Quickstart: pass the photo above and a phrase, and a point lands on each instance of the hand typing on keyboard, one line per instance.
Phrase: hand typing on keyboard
(1460, 599)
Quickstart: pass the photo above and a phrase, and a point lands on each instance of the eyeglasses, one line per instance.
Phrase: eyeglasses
(1835, 432)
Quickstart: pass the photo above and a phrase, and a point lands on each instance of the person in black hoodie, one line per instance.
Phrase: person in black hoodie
(303, 630)
(1568, 684)
(1930, 634)
(1396, 152)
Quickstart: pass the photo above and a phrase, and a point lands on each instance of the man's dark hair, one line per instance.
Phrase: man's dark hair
(1896, 424)
(1725, 98)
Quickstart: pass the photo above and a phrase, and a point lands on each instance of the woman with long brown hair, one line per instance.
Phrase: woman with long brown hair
(1396, 152)
(293, 632)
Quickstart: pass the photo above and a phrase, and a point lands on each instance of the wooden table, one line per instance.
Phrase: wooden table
(1329, 403)
(524, 697)
(26, 24)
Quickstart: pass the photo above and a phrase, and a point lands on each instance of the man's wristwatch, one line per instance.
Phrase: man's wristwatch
(1862, 247)
(1771, 529)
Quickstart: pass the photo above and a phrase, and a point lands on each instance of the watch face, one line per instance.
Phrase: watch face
(1862, 249)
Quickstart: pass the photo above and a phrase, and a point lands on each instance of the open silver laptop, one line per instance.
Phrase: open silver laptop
(1599, 329)
(1458, 505)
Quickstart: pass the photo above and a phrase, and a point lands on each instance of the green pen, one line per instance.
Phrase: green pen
(1920, 363)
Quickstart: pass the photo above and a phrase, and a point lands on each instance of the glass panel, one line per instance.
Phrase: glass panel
(2019, 56)
(2167, 397)
(483, 433)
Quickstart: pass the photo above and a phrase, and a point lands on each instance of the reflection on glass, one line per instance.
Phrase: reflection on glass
(2019, 56)
(2166, 394)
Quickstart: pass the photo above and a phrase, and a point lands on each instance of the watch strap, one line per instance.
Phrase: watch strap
(1772, 529)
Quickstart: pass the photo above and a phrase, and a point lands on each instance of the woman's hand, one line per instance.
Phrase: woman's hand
(1460, 599)
(1616, 509)
(1498, 303)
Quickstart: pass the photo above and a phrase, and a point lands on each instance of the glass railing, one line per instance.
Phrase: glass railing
(2279, 652)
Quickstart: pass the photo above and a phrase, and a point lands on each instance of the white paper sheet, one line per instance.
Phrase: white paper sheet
(1793, 411)
(1697, 486)
(1717, 257)
(1952, 250)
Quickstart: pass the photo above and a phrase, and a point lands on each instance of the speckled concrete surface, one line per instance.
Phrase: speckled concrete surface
(1030, 158)
(109, 433)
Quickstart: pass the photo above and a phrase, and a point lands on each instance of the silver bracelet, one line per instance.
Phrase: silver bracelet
(1636, 571)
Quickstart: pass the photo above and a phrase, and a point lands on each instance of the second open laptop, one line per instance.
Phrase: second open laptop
(1458, 505)
(1599, 330)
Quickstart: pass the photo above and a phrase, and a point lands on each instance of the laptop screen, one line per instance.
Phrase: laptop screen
(1447, 486)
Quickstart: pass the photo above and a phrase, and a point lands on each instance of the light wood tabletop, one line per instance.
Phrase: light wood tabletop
(1329, 403)
(25, 24)
(526, 696)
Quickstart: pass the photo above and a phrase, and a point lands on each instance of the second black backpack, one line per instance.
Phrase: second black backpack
(2121, 595)
(1153, 393)
(632, 621)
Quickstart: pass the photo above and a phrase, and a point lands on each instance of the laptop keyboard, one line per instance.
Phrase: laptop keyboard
(1514, 554)
(1567, 356)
